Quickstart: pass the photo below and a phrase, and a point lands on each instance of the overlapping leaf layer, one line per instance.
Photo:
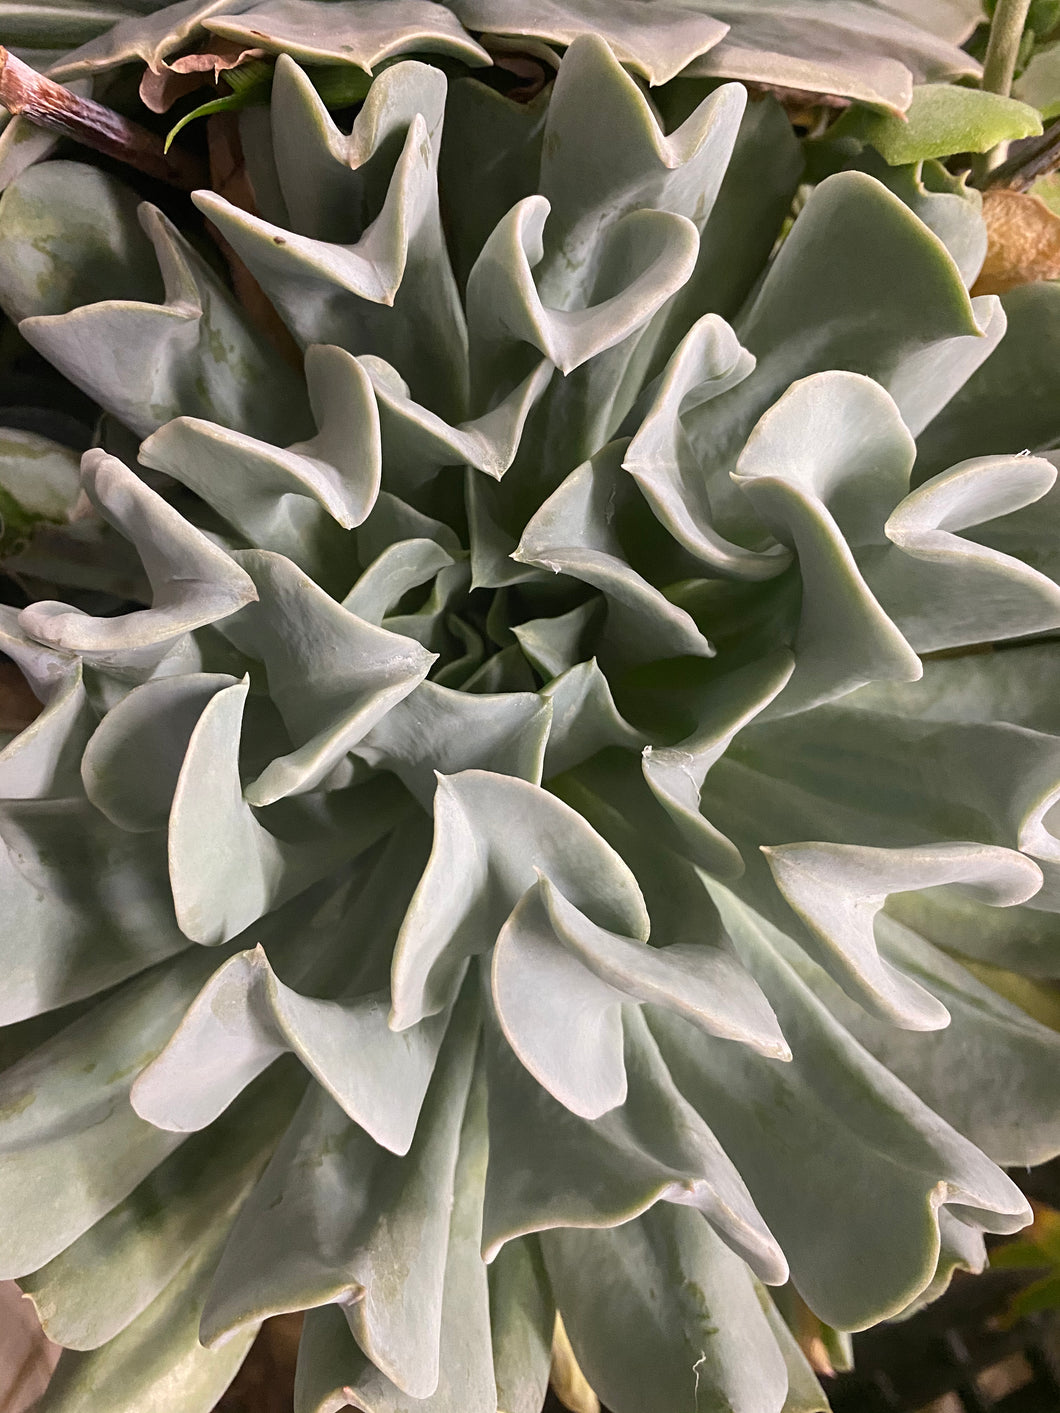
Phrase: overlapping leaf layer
(523, 844)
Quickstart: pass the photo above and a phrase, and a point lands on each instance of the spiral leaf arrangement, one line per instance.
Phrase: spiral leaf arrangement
(524, 828)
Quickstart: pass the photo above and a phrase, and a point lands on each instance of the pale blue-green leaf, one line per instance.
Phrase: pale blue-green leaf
(680, 977)
(504, 671)
(433, 624)
(823, 468)
(596, 105)
(39, 483)
(193, 582)
(290, 500)
(416, 441)
(708, 362)
(522, 1316)
(925, 383)
(1010, 1111)
(664, 1318)
(562, 1020)
(610, 792)
(1020, 686)
(492, 835)
(333, 1373)
(890, 780)
(491, 158)
(64, 1109)
(149, 37)
(946, 205)
(471, 648)
(337, 1219)
(492, 543)
(245, 1017)
(559, 983)
(641, 260)
(675, 775)
(572, 533)
(438, 730)
(752, 205)
(876, 1164)
(584, 718)
(837, 890)
(552, 645)
(94, 1289)
(364, 264)
(194, 354)
(41, 761)
(157, 1359)
(85, 904)
(657, 43)
(860, 283)
(360, 32)
(844, 47)
(57, 25)
(943, 590)
(54, 216)
(604, 1172)
(960, 1248)
(1010, 402)
(805, 1394)
(131, 764)
(397, 569)
(331, 675)
(226, 869)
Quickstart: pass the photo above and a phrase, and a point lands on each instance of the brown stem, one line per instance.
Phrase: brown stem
(1037, 157)
(49, 105)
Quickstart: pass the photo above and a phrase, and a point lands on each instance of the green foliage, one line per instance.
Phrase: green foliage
(940, 120)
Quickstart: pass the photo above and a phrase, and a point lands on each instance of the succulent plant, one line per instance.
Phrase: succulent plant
(539, 770)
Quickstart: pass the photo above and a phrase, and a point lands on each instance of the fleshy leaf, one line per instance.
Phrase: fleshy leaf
(286, 499)
(66, 1110)
(316, 1247)
(572, 534)
(658, 43)
(664, 1318)
(940, 120)
(837, 890)
(192, 581)
(365, 266)
(559, 986)
(358, 33)
(607, 1171)
(331, 675)
(439, 730)
(492, 834)
(848, 1125)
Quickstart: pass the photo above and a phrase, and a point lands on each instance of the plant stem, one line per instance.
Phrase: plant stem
(999, 68)
(1002, 51)
(49, 105)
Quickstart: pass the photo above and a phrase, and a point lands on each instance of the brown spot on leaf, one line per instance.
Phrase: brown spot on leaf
(18, 705)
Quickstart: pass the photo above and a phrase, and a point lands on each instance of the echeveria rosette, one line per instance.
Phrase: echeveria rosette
(575, 727)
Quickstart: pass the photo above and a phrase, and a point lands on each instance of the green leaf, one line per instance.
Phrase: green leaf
(942, 119)
(230, 103)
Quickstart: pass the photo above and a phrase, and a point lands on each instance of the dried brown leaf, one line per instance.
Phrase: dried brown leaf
(161, 87)
(27, 1356)
(1023, 241)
